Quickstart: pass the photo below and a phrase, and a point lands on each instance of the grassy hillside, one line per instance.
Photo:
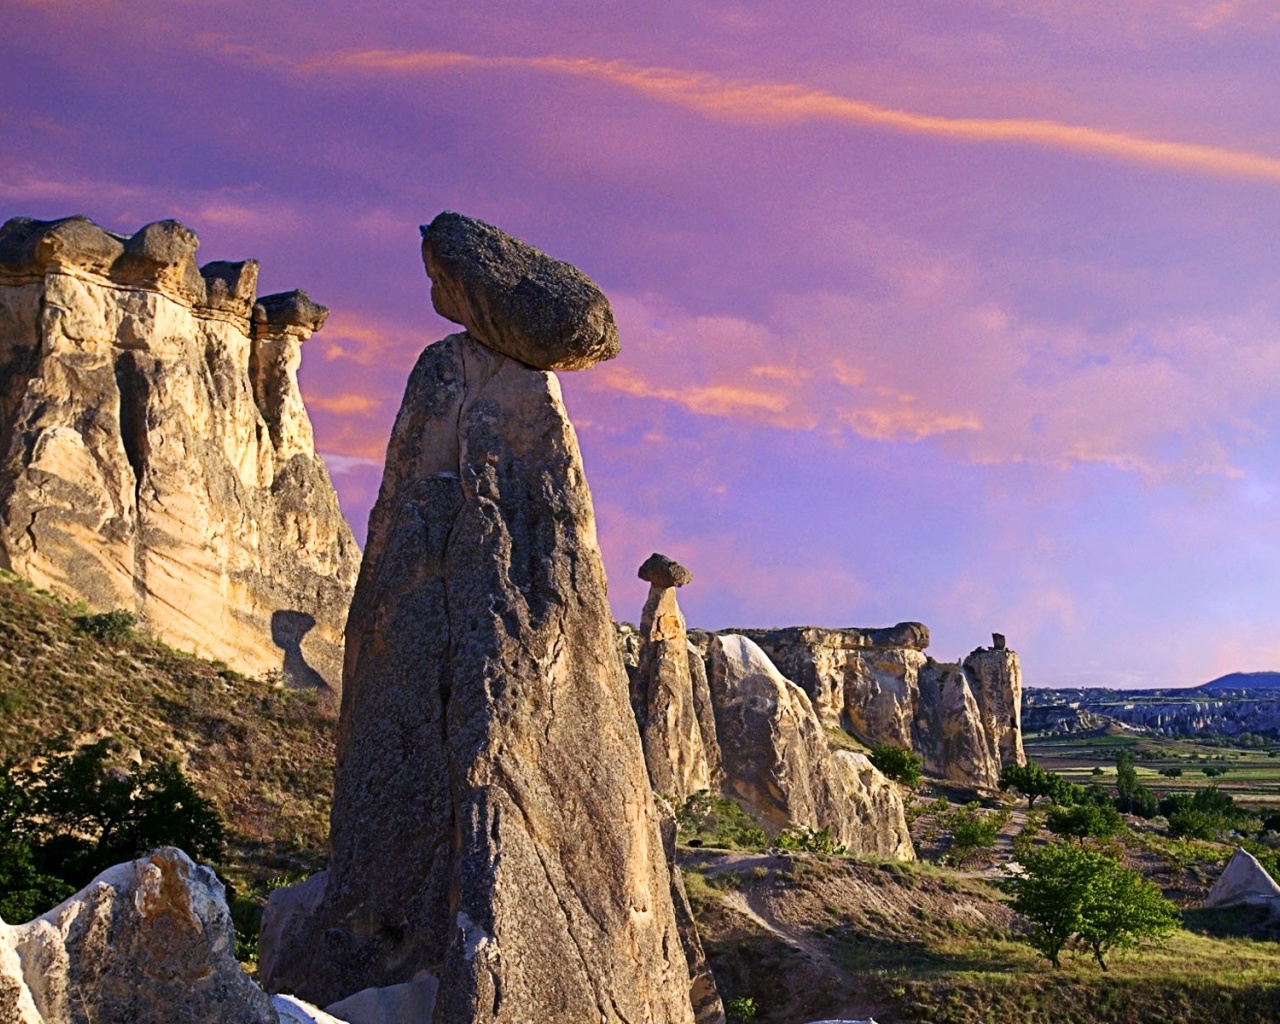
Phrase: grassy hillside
(809, 937)
(262, 753)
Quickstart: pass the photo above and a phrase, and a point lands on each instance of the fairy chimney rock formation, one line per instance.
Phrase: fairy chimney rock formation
(494, 842)
(671, 701)
(964, 719)
(155, 454)
(779, 765)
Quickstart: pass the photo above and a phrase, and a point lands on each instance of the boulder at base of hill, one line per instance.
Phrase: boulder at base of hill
(778, 763)
(1243, 880)
(147, 942)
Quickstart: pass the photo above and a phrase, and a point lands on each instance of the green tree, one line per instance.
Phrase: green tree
(972, 831)
(80, 814)
(1122, 910)
(1126, 780)
(1070, 892)
(898, 763)
(1032, 781)
(1085, 821)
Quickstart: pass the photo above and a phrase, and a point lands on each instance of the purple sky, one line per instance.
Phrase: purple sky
(961, 311)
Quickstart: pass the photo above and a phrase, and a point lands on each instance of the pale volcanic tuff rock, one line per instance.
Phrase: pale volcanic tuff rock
(148, 942)
(155, 454)
(514, 298)
(493, 831)
(778, 763)
(670, 698)
(963, 719)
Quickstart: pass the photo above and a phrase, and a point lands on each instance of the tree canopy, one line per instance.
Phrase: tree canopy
(1071, 893)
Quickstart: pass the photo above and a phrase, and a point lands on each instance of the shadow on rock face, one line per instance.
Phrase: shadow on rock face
(288, 627)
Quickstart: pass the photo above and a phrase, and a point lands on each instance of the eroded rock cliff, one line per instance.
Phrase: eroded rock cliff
(880, 686)
(495, 841)
(779, 765)
(155, 454)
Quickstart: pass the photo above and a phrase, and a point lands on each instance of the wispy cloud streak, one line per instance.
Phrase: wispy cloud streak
(782, 103)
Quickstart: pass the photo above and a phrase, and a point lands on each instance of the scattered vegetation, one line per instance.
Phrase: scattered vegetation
(1033, 782)
(82, 811)
(707, 820)
(898, 763)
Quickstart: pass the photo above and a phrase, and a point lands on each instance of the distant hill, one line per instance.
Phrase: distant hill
(1244, 681)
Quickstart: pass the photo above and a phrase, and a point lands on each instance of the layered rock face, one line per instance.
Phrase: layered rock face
(148, 942)
(879, 685)
(778, 763)
(495, 841)
(155, 454)
(670, 698)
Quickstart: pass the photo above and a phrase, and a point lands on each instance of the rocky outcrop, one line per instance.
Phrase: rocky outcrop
(677, 725)
(493, 828)
(148, 942)
(880, 686)
(996, 675)
(155, 454)
(778, 763)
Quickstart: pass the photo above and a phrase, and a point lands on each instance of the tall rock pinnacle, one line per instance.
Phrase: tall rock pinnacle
(672, 705)
(155, 454)
(495, 842)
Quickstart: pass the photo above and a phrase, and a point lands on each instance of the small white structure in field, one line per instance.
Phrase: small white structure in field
(1243, 881)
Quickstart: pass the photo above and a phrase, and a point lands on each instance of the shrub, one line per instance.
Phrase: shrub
(740, 1010)
(972, 832)
(1172, 773)
(898, 763)
(714, 821)
(802, 837)
(110, 627)
(1085, 821)
(1033, 782)
(80, 814)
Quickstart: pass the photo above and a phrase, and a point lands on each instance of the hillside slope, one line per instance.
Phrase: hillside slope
(262, 753)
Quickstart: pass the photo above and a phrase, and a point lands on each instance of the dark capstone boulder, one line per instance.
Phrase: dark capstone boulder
(290, 309)
(514, 298)
(662, 571)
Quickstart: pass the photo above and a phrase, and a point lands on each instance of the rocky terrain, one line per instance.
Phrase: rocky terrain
(155, 454)
(1217, 708)
(878, 685)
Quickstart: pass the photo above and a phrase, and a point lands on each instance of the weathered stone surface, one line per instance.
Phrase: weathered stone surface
(821, 661)
(879, 685)
(662, 571)
(662, 697)
(493, 826)
(293, 1010)
(514, 298)
(1243, 880)
(148, 942)
(997, 687)
(155, 454)
(948, 728)
(778, 763)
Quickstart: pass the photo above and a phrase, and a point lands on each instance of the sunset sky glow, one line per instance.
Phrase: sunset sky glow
(963, 311)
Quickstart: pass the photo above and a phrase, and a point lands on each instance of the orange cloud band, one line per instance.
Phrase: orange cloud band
(773, 102)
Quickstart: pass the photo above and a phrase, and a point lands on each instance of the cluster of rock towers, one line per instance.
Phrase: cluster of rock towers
(502, 841)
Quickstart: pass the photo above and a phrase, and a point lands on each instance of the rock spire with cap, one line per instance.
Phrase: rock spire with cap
(494, 840)
(672, 704)
(155, 453)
